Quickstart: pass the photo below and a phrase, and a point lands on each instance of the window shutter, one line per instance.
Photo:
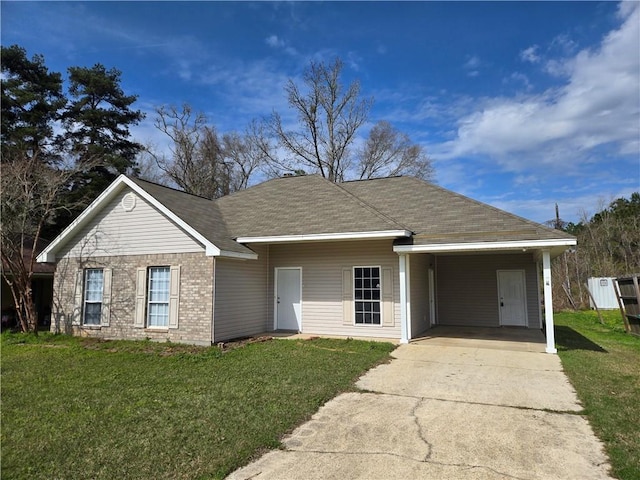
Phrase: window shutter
(106, 297)
(76, 317)
(174, 296)
(347, 296)
(387, 296)
(141, 297)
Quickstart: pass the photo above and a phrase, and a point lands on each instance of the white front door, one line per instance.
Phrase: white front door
(512, 298)
(288, 305)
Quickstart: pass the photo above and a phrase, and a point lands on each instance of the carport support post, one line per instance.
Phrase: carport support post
(548, 302)
(405, 312)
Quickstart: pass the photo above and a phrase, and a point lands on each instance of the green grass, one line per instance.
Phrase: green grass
(603, 364)
(78, 408)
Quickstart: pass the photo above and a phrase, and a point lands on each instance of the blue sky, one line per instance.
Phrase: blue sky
(519, 104)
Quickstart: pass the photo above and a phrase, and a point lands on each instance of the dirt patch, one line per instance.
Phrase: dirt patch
(242, 342)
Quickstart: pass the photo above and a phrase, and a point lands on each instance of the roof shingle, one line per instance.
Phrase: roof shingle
(300, 205)
(437, 215)
(306, 205)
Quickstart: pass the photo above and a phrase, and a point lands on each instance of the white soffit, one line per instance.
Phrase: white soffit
(325, 237)
(484, 246)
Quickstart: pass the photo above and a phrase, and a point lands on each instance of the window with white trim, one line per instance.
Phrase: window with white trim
(93, 294)
(366, 288)
(158, 297)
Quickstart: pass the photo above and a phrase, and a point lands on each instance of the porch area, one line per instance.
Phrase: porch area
(516, 339)
(481, 293)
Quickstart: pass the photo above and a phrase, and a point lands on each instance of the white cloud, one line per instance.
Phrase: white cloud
(254, 88)
(596, 107)
(278, 43)
(472, 62)
(519, 78)
(274, 41)
(472, 66)
(572, 208)
(530, 55)
(564, 44)
(525, 180)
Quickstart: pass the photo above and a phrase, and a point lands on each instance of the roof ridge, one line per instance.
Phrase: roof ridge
(368, 206)
(375, 178)
(136, 179)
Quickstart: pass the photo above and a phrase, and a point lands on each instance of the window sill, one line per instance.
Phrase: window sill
(91, 327)
(156, 329)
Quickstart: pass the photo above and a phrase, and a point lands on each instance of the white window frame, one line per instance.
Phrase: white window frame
(86, 301)
(378, 301)
(150, 302)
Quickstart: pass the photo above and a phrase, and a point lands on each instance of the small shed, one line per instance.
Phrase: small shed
(628, 290)
(603, 293)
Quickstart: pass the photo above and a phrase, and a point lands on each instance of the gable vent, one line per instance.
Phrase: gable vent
(128, 202)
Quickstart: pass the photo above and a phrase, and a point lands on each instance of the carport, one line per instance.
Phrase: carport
(477, 284)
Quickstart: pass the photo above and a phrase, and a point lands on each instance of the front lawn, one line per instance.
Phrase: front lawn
(78, 408)
(603, 364)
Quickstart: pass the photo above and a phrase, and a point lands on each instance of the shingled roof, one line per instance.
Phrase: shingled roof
(308, 205)
(414, 212)
(300, 205)
(436, 215)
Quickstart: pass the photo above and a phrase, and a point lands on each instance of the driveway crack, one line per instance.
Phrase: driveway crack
(516, 407)
(421, 432)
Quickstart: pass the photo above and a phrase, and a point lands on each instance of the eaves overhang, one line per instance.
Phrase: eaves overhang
(547, 244)
(326, 237)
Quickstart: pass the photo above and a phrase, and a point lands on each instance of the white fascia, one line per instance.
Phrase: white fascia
(48, 255)
(238, 256)
(325, 237)
(483, 246)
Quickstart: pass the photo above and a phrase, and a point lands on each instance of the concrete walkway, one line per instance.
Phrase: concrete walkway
(446, 408)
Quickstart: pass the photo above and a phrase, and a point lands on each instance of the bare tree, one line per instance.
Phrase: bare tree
(389, 152)
(329, 116)
(199, 162)
(31, 200)
(195, 163)
(608, 246)
(244, 155)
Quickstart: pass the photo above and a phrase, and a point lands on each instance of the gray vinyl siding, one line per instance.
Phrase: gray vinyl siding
(322, 264)
(241, 296)
(419, 288)
(467, 288)
(142, 231)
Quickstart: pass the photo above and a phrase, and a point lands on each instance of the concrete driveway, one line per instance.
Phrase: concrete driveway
(447, 408)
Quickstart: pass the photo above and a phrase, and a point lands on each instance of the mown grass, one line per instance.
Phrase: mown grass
(603, 364)
(76, 408)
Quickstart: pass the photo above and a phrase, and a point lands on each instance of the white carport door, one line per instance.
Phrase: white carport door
(513, 302)
(288, 299)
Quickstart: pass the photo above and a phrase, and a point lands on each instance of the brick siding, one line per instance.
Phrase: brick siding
(196, 297)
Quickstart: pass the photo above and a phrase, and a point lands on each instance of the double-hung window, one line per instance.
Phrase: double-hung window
(93, 294)
(158, 297)
(366, 284)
